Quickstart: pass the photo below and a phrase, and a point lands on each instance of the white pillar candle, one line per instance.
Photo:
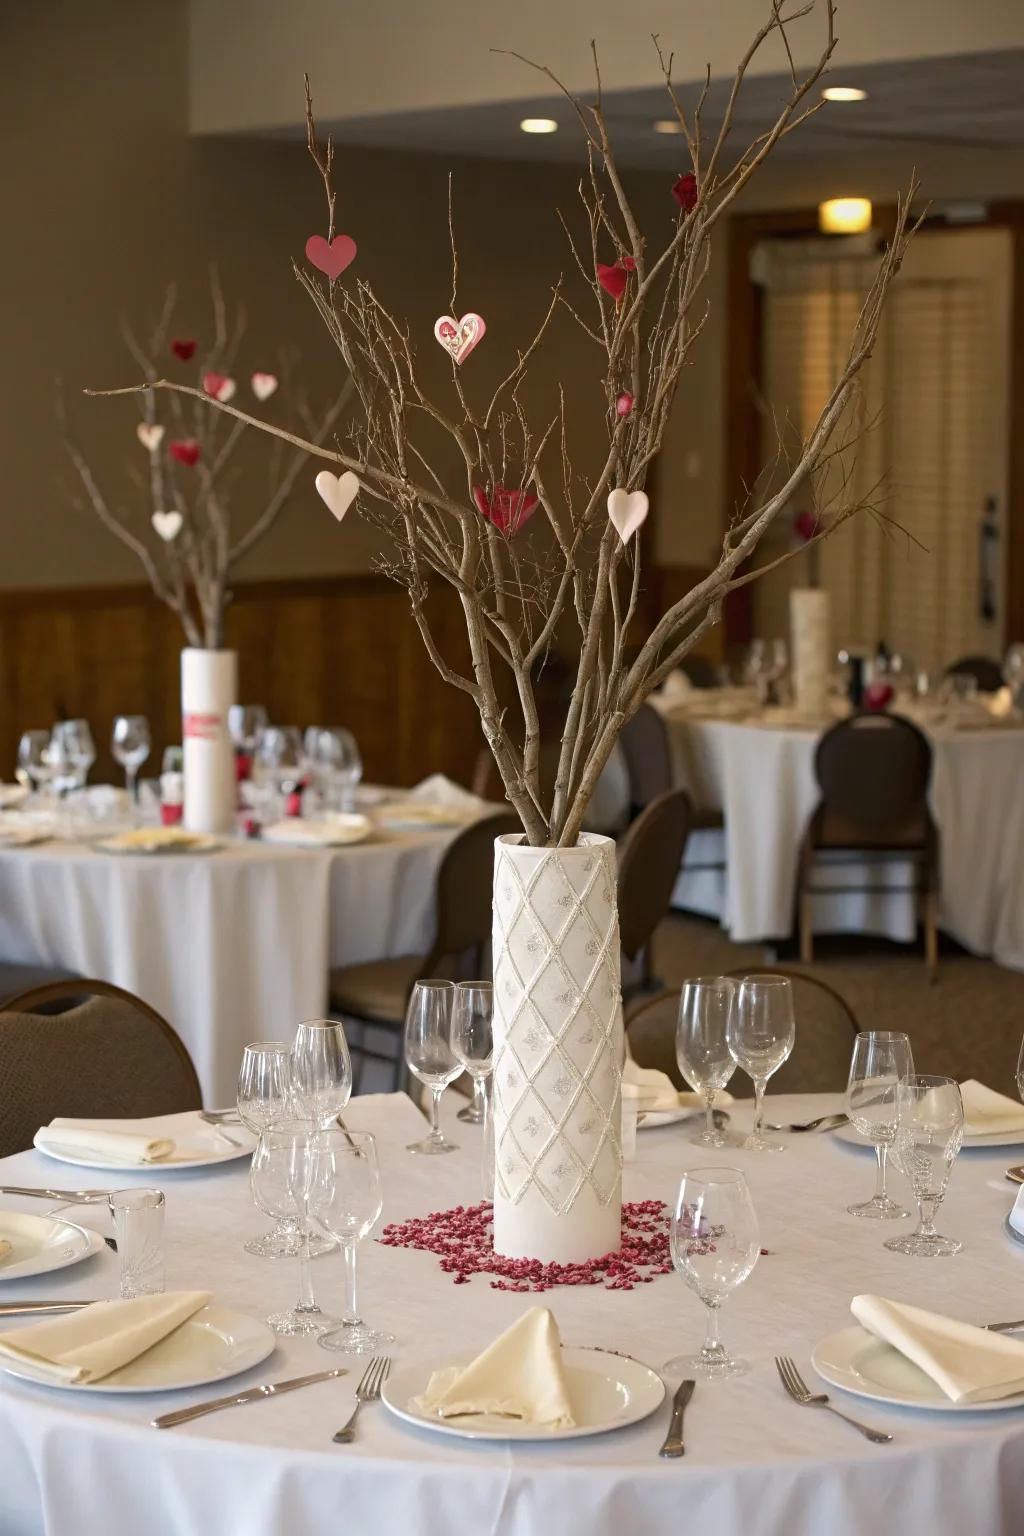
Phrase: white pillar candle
(810, 649)
(209, 685)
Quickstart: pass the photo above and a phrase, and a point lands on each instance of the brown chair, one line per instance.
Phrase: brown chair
(376, 992)
(648, 753)
(988, 673)
(700, 672)
(826, 1028)
(649, 857)
(86, 1049)
(873, 772)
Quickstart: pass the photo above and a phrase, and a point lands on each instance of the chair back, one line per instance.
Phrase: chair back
(649, 857)
(989, 673)
(873, 771)
(648, 752)
(464, 890)
(106, 1056)
(700, 672)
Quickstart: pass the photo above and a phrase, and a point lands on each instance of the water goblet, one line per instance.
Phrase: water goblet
(429, 1053)
(715, 1245)
(346, 1199)
(881, 1061)
(130, 746)
(1020, 1071)
(702, 1050)
(321, 1071)
(929, 1134)
(245, 722)
(280, 1178)
(264, 1100)
(760, 1031)
(33, 759)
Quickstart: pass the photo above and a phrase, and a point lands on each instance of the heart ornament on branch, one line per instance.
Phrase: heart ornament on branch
(150, 435)
(219, 386)
(459, 337)
(167, 524)
(185, 450)
(263, 385)
(333, 258)
(183, 347)
(507, 510)
(338, 491)
(627, 510)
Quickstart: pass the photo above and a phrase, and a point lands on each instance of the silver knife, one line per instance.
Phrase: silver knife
(27, 1308)
(1004, 1327)
(674, 1439)
(272, 1389)
(71, 1196)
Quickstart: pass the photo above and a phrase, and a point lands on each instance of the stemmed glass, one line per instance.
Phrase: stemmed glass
(429, 1054)
(881, 1061)
(1020, 1071)
(760, 1032)
(34, 759)
(264, 1100)
(334, 755)
(130, 746)
(929, 1134)
(1013, 674)
(245, 722)
(281, 1177)
(345, 1197)
(715, 1245)
(473, 1044)
(702, 1050)
(321, 1071)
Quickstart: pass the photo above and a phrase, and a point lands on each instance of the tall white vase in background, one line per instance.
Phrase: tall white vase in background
(209, 686)
(810, 649)
(558, 1047)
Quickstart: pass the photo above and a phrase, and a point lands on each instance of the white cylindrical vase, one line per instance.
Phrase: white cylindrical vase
(209, 686)
(558, 1048)
(810, 649)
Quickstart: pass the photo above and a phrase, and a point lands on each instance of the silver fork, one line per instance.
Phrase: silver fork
(220, 1116)
(830, 1122)
(800, 1393)
(368, 1390)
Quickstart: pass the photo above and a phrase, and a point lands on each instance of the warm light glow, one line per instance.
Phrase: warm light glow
(539, 125)
(844, 93)
(668, 125)
(844, 216)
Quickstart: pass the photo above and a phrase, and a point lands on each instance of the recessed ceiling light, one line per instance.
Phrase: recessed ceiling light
(844, 93)
(668, 125)
(539, 125)
(844, 216)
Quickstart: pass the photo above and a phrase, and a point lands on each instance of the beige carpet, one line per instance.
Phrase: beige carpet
(968, 1024)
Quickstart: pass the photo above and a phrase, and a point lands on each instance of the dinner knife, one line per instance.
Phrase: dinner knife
(674, 1439)
(27, 1308)
(272, 1389)
(71, 1196)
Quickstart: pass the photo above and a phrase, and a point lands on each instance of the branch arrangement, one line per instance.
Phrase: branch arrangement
(574, 580)
(180, 526)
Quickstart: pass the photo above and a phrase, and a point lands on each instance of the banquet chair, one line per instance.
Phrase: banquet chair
(86, 1049)
(826, 1028)
(373, 995)
(873, 772)
(699, 671)
(645, 744)
(648, 858)
(988, 673)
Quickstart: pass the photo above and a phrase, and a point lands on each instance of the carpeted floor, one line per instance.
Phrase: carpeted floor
(968, 1023)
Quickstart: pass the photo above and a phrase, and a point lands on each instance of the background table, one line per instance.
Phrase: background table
(762, 777)
(229, 946)
(755, 1461)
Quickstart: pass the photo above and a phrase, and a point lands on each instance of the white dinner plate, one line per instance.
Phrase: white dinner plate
(607, 1391)
(153, 841)
(327, 832)
(411, 816)
(970, 1144)
(12, 795)
(858, 1363)
(650, 1119)
(23, 837)
(213, 1344)
(197, 1145)
(41, 1243)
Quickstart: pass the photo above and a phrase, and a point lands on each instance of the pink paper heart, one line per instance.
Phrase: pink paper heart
(507, 510)
(627, 510)
(338, 491)
(219, 386)
(331, 259)
(459, 337)
(149, 435)
(263, 385)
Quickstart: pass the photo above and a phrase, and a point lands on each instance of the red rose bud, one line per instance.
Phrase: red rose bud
(685, 192)
(183, 348)
(613, 279)
(186, 451)
(624, 404)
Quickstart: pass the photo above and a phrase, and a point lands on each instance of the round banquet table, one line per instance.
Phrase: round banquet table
(755, 1461)
(762, 776)
(229, 946)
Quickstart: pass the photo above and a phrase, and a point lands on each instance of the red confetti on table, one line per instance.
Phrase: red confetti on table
(462, 1238)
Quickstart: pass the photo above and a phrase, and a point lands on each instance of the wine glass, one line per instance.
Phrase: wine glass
(335, 758)
(34, 759)
(760, 1031)
(473, 1044)
(264, 1100)
(715, 1245)
(245, 722)
(345, 1198)
(321, 1071)
(1013, 674)
(429, 1054)
(881, 1061)
(1020, 1071)
(76, 740)
(280, 1177)
(130, 746)
(702, 1050)
(929, 1134)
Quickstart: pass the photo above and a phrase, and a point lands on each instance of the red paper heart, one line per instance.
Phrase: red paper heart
(805, 525)
(877, 696)
(685, 192)
(331, 259)
(614, 279)
(507, 510)
(186, 450)
(624, 404)
(183, 348)
(219, 386)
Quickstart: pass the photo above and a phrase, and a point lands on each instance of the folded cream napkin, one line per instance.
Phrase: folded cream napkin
(971, 1365)
(654, 1094)
(5, 1248)
(105, 1137)
(88, 1345)
(519, 1376)
(1016, 1216)
(440, 790)
(325, 832)
(987, 1112)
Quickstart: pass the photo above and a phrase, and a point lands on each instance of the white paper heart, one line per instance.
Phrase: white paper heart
(167, 525)
(338, 491)
(149, 436)
(627, 510)
(459, 337)
(263, 385)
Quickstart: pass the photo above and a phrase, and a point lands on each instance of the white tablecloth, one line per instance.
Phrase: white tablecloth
(762, 777)
(229, 946)
(755, 1462)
